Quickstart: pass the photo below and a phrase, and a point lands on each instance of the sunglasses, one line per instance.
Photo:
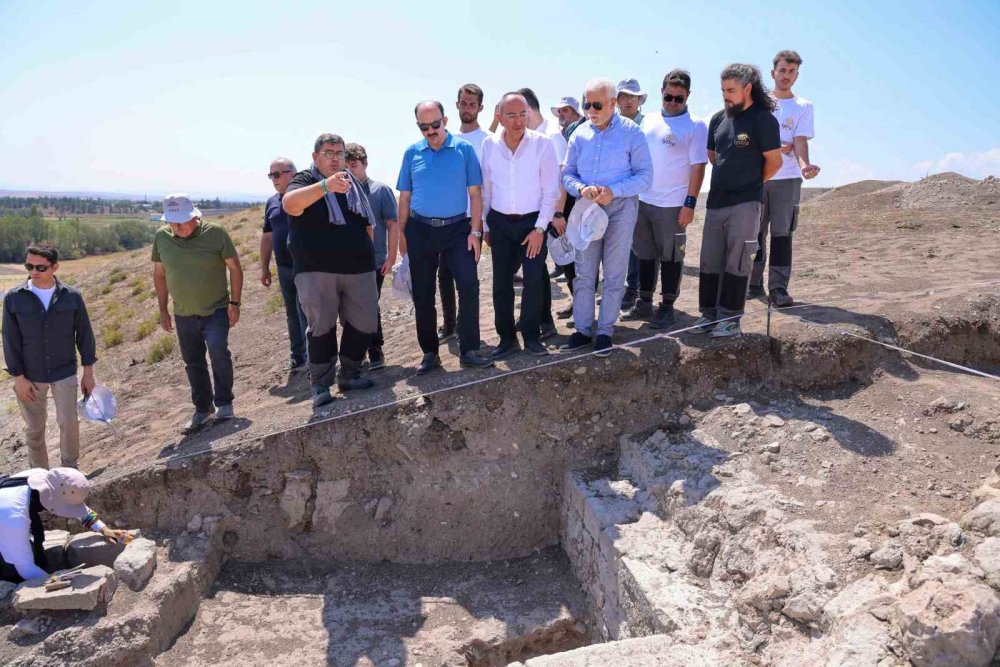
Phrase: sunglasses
(429, 126)
(679, 99)
(41, 268)
(275, 175)
(596, 105)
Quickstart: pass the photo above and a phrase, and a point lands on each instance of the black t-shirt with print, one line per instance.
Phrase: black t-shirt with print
(739, 144)
(317, 244)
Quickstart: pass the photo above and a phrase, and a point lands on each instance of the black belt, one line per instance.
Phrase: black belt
(439, 222)
(516, 216)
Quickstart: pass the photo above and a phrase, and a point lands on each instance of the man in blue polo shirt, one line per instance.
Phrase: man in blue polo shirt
(440, 175)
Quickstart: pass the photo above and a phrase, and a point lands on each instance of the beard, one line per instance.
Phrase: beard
(467, 117)
(734, 109)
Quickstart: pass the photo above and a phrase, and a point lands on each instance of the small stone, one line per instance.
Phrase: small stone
(774, 421)
(27, 627)
(742, 409)
(819, 435)
(946, 493)
(889, 557)
(194, 525)
(774, 448)
(860, 548)
(684, 420)
(382, 510)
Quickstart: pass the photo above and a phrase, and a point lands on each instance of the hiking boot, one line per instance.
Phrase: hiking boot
(629, 299)
(642, 310)
(548, 331)
(506, 348)
(664, 316)
(602, 347)
(730, 329)
(755, 291)
(565, 312)
(376, 359)
(321, 396)
(781, 298)
(350, 377)
(535, 348)
(575, 342)
(472, 359)
(556, 272)
(446, 333)
(702, 325)
(198, 419)
(296, 365)
(430, 361)
(223, 413)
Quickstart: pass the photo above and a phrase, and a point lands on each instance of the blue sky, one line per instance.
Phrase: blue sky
(199, 96)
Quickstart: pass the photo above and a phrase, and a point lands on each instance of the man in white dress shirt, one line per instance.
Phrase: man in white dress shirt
(520, 194)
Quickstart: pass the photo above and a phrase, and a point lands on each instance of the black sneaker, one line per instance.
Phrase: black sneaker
(430, 361)
(629, 299)
(506, 348)
(535, 348)
(565, 312)
(446, 334)
(472, 359)
(664, 317)
(548, 331)
(356, 382)
(296, 365)
(642, 310)
(556, 272)
(602, 347)
(755, 291)
(376, 359)
(781, 298)
(575, 342)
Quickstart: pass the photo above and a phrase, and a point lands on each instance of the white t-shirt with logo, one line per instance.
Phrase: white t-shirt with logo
(476, 138)
(675, 143)
(795, 119)
(44, 294)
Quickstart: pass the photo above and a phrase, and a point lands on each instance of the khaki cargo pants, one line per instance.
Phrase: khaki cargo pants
(35, 415)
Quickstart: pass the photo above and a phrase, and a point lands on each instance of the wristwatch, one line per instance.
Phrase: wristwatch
(234, 303)
(478, 235)
(558, 215)
(539, 230)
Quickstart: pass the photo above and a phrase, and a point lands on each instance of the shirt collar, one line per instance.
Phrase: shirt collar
(449, 142)
(26, 285)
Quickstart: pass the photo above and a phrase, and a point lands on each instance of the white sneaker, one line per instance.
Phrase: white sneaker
(728, 329)
(702, 325)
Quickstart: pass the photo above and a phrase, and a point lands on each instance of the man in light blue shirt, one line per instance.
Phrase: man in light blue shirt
(608, 162)
(439, 177)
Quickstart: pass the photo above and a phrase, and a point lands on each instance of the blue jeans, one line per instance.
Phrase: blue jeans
(293, 313)
(196, 334)
(612, 252)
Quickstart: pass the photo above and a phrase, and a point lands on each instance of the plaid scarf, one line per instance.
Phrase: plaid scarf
(357, 200)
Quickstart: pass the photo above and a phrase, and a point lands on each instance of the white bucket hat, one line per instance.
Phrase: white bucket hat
(402, 283)
(62, 491)
(565, 102)
(561, 249)
(587, 222)
(98, 406)
(631, 87)
(178, 209)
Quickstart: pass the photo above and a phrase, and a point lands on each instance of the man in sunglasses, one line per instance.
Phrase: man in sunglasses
(608, 163)
(190, 261)
(45, 323)
(780, 214)
(275, 238)
(677, 145)
(331, 235)
(439, 179)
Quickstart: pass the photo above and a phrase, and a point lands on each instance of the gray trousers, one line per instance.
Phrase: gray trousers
(326, 297)
(780, 217)
(612, 251)
(728, 246)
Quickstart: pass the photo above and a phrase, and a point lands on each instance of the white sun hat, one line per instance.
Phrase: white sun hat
(562, 250)
(178, 209)
(98, 406)
(587, 222)
(402, 283)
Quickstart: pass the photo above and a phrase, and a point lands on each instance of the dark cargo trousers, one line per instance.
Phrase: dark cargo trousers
(728, 246)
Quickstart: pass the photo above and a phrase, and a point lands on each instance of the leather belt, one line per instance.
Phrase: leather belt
(439, 222)
(517, 216)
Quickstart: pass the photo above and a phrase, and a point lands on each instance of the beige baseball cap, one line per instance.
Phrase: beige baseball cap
(62, 491)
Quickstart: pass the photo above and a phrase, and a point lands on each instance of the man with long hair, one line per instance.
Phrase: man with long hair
(780, 215)
(745, 149)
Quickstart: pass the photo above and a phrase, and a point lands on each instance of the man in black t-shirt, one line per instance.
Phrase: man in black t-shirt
(330, 239)
(744, 147)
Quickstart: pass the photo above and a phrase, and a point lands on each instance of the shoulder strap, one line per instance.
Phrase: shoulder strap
(37, 530)
(8, 482)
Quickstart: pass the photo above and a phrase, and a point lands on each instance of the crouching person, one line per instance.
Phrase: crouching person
(330, 237)
(23, 496)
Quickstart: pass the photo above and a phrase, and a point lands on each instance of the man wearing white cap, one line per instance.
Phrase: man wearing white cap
(190, 259)
(23, 496)
(630, 98)
(568, 113)
(608, 163)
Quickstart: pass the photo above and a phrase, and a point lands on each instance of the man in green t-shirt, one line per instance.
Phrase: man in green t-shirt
(190, 258)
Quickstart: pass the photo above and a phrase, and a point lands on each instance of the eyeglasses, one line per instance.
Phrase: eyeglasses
(679, 99)
(514, 116)
(597, 106)
(329, 155)
(275, 175)
(428, 126)
(41, 268)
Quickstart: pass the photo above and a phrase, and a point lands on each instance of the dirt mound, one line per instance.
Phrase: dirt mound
(860, 196)
(949, 190)
(853, 190)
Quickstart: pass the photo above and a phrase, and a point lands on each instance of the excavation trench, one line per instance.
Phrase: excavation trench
(439, 522)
